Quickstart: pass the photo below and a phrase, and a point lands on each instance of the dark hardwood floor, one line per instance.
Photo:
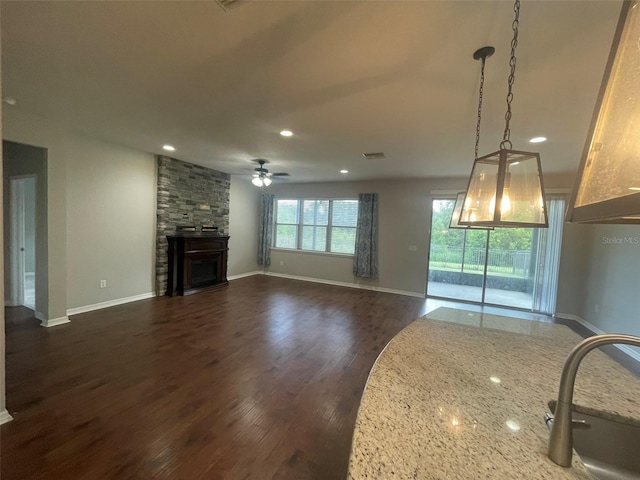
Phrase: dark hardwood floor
(261, 379)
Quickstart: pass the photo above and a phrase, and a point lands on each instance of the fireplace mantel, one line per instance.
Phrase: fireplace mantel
(197, 261)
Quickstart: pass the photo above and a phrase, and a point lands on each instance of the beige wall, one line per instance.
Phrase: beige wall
(244, 203)
(20, 159)
(111, 212)
(101, 209)
(403, 217)
(573, 269)
(101, 216)
(600, 276)
(23, 128)
(611, 299)
(404, 220)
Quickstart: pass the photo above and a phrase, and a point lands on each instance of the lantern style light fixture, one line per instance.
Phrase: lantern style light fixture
(481, 54)
(505, 188)
(607, 188)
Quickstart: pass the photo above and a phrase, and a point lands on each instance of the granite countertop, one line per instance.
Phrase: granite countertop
(460, 395)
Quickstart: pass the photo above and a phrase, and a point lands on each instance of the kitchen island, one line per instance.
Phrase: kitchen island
(461, 395)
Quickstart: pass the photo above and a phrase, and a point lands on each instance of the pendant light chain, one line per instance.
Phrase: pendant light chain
(506, 139)
(484, 59)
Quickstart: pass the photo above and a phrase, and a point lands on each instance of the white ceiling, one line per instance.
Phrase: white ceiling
(346, 77)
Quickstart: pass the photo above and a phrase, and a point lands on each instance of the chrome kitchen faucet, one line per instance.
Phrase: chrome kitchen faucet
(561, 438)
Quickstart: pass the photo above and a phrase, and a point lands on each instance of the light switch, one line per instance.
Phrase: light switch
(413, 248)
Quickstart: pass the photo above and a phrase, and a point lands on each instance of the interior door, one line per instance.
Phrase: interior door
(22, 198)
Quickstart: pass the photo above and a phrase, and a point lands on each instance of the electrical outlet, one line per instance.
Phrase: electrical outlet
(597, 308)
(413, 248)
(103, 284)
(281, 263)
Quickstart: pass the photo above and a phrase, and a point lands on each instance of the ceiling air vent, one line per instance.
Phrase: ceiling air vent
(227, 5)
(374, 155)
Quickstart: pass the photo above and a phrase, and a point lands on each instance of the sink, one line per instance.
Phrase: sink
(610, 448)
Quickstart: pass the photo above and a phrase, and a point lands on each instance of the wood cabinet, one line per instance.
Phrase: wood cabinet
(197, 261)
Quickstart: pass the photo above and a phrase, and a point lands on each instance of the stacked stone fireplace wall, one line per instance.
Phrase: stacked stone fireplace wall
(188, 194)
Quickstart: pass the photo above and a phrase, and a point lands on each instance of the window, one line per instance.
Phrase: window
(317, 225)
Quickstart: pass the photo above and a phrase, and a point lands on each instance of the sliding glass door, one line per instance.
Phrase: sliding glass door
(512, 267)
(456, 257)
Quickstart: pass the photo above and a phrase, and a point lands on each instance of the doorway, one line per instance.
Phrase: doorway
(25, 225)
(22, 241)
(509, 267)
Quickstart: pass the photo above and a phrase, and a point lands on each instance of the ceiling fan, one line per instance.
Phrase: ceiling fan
(262, 177)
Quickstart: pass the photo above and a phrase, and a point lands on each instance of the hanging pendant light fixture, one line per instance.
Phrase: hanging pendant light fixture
(481, 54)
(505, 188)
(607, 188)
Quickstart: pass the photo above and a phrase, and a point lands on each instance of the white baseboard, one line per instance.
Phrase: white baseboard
(570, 316)
(624, 348)
(247, 274)
(110, 303)
(346, 284)
(40, 316)
(5, 417)
(54, 322)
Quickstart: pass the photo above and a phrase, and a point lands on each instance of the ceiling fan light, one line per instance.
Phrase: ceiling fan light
(266, 181)
(257, 181)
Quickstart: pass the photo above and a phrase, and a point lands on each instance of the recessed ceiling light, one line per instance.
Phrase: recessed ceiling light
(286, 133)
(538, 140)
(635, 189)
(344, 171)
(169, 148)
(9, 100)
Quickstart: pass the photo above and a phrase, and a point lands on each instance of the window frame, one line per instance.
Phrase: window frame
(300, 225)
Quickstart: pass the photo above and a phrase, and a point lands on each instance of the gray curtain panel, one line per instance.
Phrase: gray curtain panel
(265, 236)
(365, 260)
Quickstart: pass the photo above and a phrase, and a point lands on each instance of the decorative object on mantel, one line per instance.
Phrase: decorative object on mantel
(607, 188)
(185, 228)
(480, 54)
(208, 229)
(505, 188)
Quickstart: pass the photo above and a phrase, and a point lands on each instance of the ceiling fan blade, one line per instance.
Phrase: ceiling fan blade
(280, 174)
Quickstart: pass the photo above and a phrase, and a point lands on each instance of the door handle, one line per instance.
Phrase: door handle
(22, 249)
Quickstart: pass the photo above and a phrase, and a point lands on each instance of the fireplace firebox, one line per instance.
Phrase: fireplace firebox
(197, 261)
